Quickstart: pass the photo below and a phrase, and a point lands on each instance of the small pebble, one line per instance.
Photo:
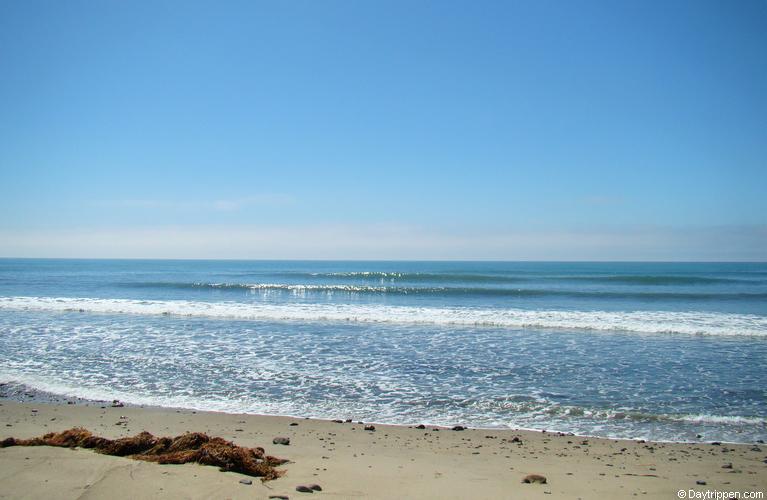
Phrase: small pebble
(246, 481)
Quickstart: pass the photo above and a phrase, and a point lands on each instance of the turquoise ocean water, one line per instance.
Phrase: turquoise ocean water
(670, 351)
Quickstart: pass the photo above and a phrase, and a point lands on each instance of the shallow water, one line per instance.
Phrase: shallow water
(660, 351)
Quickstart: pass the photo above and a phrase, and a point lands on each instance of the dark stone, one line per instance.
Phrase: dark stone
(293, 424)
(534, 478)
(370, 427)
(716, 443)
(281, 440)
(246, 481)
(459, 428)
(304, 489)
(701, 483)
(280, 497)
(420, 426)
(516, 439)
(348, 421)
(315, 487)
(756, 448)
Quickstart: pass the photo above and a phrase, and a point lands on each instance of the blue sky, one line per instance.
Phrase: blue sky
(430, 130)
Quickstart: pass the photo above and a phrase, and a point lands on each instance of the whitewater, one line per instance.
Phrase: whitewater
(662, 351)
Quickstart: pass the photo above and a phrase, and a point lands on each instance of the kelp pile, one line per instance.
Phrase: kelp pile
(191, 447)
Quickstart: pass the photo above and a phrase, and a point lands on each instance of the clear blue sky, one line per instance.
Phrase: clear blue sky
(323, 129)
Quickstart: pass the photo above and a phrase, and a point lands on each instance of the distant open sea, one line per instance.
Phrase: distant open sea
(665, 351)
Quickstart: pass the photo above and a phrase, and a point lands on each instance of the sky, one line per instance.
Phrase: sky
(533, 130)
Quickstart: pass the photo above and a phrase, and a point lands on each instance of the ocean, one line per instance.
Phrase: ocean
(663, 351)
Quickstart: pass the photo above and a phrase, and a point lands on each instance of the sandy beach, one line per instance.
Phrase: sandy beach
(349, 462)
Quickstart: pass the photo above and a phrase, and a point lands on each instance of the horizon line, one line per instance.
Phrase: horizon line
(574, 261)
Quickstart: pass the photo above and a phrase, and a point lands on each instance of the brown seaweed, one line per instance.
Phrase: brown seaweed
(190, 447)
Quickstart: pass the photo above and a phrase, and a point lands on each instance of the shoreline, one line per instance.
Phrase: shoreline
(349, 462)
(22, 393)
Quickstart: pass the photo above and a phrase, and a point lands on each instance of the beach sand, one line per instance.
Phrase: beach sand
(349, 462)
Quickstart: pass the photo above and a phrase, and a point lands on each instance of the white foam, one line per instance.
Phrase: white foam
(298, 288)
(721, 419)
(646, 322)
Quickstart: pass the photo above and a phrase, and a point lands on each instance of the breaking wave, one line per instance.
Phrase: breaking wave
(643, 322)
(450, 291)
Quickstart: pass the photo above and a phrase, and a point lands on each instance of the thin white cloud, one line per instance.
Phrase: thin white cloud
(218, 205)
(744, 243)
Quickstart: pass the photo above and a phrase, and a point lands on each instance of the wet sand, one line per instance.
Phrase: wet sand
(350, 462)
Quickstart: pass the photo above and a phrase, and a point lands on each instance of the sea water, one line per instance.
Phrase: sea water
(665, 351)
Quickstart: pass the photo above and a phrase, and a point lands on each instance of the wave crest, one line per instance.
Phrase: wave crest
(449, 291)
(643, 322)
